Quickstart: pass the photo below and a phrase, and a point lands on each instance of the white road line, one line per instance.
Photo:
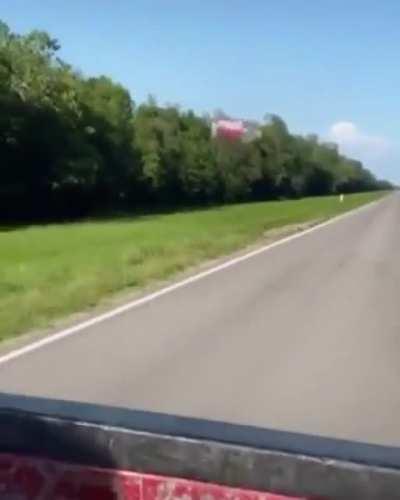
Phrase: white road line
(175, 286)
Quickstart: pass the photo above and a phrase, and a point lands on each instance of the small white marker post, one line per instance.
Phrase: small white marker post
(341, 198)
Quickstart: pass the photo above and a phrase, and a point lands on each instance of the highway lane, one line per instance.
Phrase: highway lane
(304, 337)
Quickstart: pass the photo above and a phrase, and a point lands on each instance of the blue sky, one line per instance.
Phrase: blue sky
(329, 67)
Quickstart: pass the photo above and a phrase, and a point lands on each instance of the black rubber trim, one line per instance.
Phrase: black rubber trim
(228, 454)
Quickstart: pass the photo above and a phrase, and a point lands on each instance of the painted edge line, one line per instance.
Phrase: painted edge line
(175, 286)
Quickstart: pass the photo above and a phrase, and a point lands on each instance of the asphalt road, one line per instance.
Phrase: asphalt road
(304, 337)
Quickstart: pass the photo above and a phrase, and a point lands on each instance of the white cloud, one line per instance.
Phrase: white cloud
(358, 144)
(376, 152)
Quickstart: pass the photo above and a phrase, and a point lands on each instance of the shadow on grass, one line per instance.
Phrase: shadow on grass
(147, 213)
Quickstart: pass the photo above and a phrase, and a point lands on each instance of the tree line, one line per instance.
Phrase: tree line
(72, 145)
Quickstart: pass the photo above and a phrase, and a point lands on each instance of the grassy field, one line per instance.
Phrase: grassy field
(50, 271)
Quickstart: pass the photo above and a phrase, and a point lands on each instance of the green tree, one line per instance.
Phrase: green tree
(70, 145)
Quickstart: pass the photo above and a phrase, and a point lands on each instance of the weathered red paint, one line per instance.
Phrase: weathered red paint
(26, 478)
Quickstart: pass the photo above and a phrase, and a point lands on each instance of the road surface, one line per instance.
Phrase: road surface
(303, 337)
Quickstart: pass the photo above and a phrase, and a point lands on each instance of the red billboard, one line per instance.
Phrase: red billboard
(233, 129)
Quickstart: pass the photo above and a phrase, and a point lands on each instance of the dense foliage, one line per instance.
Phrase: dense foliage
(71, 145)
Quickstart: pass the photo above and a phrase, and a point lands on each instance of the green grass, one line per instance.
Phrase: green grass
(47, 272)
